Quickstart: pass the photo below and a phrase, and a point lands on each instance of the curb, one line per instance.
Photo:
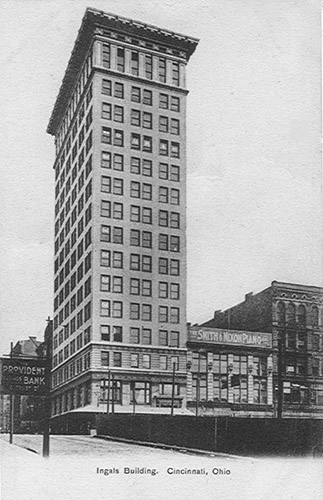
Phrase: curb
(181, 449)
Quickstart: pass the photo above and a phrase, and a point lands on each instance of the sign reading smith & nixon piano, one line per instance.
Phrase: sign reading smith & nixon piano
(24, 376)
(230, 337)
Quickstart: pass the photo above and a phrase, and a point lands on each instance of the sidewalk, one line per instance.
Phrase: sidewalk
(10, 452)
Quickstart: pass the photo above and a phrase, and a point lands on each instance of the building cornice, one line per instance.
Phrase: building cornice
(95, 19)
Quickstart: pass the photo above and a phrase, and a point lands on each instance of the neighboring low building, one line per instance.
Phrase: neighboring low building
(229, 372)
(292, 313)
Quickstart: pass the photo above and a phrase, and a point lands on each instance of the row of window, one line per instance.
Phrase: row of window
(144, 143)
(114, 185)
(138, 262)
(74, 102)
(114, 309)
(140, 166)
(139, 118)
(138, 360)
(115, 210)
(140, 95)
(147, 66)
(292, 315)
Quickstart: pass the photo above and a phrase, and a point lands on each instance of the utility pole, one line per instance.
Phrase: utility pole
(198, 385)
(280, 383)
(12, 405)
(108, 396)
(173, 389)
(47, 405)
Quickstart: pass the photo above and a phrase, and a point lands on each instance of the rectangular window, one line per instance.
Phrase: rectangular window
(175, 104)
(134, 213)
(163, 337)
(105, 208)
(134, 335)
(118, 211)
(106, 111)
(147, 191)
(174, 126)
(118, 162)
(135, 165)
(106, 55)
(175, 73)
(105, 283)
(163, 101)
(146, 239)
(162, 70)
(163, 147)
(174, 267)
(163, 218)
(135, 94)
(135, 189)
(135, 237)
(163, 124)
(105, 184)
(147, 144)
(104, 358)
(135, 262)
(117, 262)
(135, 141)
(147, 120)
(174, 196)
(117, 235)
(163, 171)
(118, 90)
(106, 135)
(135, 118)
(117, 308)
(174, 244)
(146, 263)
(134, 310)
(134, 360)
(105, 159)
(105, 309)
(120, 59)
(118, 138)
(175, 361)
(163, 362)
(117, 359)
(163, 194)
(148, 67)
(147, 97)
(106, 233)
(163, 266)
(146, 215)
(147, 167)
(117, 284)
(146, 336)
(118, 187)
(134, 64)
(175, 220)
(105, 258)
(118, 114)
(146, 288)
(163, 290)
(106, 87)
(134, 286)
(105, 332)
(174, 315)
(174, 150)
(146, 361)
(146, 312)
(174, 291)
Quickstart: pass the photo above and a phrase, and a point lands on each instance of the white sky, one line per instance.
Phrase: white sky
(254, 172)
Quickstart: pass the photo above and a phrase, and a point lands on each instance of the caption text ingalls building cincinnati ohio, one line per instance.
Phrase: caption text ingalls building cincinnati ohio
(120, 216)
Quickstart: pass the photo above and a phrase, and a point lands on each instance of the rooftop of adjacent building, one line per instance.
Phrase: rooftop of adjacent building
(276, 291)
(94, 18)
(26, 347)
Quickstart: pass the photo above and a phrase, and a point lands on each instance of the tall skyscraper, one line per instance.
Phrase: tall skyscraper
(120, 216)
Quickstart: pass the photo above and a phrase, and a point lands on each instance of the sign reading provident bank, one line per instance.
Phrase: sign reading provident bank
(230, 337)
(24, 376)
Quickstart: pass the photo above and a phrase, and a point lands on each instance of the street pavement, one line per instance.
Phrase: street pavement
(81, 467)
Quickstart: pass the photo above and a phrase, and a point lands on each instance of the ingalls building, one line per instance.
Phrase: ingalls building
(120, 218)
